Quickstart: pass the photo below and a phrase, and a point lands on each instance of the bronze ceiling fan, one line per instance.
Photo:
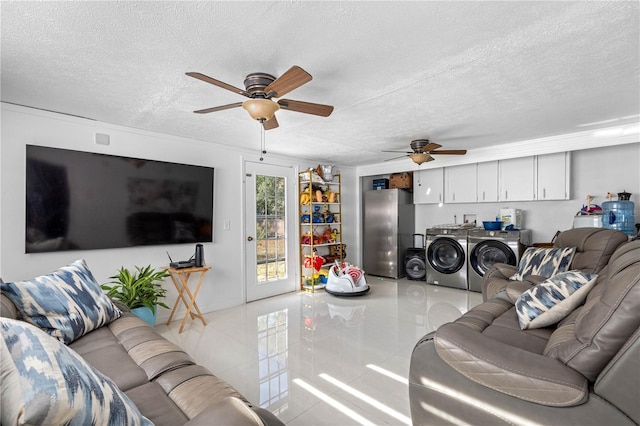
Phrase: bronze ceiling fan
(422, 151)
(260, 88)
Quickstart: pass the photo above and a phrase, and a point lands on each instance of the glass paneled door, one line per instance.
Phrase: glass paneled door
(270, 230)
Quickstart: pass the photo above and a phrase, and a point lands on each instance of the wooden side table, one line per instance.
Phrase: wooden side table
(180, 278)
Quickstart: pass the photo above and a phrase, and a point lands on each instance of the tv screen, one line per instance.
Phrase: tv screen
(82, 201)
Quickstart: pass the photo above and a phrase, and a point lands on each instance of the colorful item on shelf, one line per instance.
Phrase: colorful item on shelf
(590, 209)
(326, 171)
(326, 235)
(314, 261)
(304, 198)
(323, 275)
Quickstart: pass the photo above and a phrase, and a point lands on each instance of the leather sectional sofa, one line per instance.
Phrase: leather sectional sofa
(594, 247)
(164, 382)
(485, 369)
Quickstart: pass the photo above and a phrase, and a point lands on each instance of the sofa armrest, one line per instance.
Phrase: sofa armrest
(505, 270)
(227, 411)
(496, 279)
(510, 370)
(516, 288)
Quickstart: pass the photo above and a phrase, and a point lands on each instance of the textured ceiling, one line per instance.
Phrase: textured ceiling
(464, 74)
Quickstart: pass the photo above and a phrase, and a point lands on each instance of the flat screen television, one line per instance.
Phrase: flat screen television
(81, 201)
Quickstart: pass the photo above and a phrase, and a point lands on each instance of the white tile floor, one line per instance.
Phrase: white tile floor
(316, 359)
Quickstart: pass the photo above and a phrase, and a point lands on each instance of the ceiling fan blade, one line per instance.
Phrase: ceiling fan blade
(292, 79)
(218, 108)
(430, 147)
(218, 83)
(405, 152)
(272, 123)
(306, 107)
(450, 152)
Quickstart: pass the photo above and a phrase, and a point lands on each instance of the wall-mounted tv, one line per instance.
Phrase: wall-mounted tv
(81, 201)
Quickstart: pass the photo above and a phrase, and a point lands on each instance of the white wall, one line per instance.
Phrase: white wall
(223, 286)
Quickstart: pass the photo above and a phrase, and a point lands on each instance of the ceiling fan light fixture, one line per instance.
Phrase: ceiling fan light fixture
(261, 109)
(420, 157)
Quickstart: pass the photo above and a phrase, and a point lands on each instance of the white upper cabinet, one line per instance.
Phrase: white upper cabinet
(461, 184)
(553, 176)
(488, 182)
(542, 177)
(428, 186)
(517, 179)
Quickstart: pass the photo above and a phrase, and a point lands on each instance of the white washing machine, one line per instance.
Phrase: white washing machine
(487, 248)
(446, 256)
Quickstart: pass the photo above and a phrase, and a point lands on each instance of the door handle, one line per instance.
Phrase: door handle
(249, 238)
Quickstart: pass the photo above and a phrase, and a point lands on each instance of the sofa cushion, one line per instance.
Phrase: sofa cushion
(508, 369)
(497, 319)
(156, 405)
(545, 262)
(66, 304)
(44, 382)
(589, 339)
(114, 361)
(228, 411)
(192, 388)
(552, 300)
(149, 350)
(594, 246)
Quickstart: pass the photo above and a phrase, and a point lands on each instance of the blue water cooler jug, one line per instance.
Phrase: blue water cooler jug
(618, 215)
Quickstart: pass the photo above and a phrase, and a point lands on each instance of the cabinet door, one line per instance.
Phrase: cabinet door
(461, 184)
(428, 186)
(517, 179)
(553, 176)
(488, 182)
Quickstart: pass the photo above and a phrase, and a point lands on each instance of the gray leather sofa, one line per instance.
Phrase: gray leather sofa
(594, 247)
(162, 380)
(483, 369)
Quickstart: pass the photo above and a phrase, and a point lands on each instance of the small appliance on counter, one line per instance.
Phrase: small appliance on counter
(587, 221)
(619, 215)
(509, 216)
(589, 216)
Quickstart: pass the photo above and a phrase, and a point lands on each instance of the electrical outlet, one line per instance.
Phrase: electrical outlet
(227, 225)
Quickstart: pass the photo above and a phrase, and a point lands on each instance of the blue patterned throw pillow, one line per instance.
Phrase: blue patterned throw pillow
(67, 303)
(545, 262)
(552, 300)
(46, 383)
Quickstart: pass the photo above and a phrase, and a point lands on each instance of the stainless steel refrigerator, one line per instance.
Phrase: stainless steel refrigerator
(389, 224)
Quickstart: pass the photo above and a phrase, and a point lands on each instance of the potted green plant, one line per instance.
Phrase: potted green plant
(140, 291)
